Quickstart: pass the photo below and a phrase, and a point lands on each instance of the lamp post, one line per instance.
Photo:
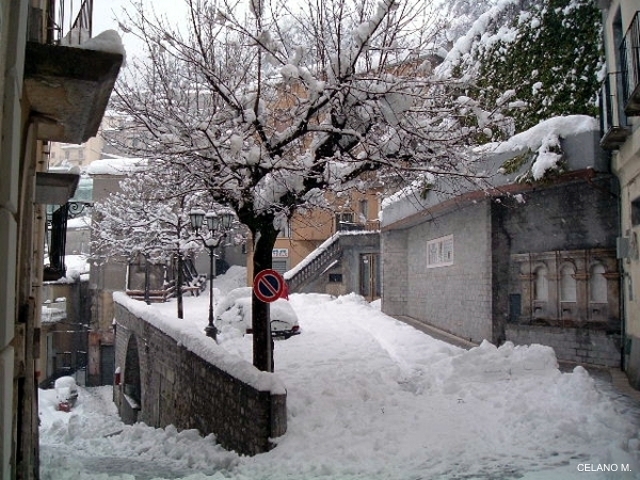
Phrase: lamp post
(217, 226)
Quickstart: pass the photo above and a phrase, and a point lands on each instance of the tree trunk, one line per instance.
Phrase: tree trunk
(261, 318)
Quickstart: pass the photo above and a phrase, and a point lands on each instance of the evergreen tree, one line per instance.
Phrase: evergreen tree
(545, 64)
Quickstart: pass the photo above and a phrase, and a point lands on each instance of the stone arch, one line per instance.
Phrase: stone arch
(540, 283)
(131, 381)
(598, 284)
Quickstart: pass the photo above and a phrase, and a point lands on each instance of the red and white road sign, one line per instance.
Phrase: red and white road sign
(268, 285)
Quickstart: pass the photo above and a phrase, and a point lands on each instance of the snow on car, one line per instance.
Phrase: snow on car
(234, 310)
(66, 393)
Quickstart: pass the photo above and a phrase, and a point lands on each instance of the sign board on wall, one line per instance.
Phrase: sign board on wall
(280, 253)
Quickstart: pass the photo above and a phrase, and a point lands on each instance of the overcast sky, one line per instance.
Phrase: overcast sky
(107, 13)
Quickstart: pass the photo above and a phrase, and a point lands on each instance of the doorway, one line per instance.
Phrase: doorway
(370, 276)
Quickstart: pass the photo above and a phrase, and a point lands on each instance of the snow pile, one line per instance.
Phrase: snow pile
(77, 269)
(108, 41)
(234, 277)
(93, 426)
(369, 397)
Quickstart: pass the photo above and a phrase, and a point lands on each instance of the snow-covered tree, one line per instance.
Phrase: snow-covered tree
(269, 107)
(149, 216)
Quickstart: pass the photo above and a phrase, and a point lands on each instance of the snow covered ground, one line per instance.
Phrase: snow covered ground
(372, 398)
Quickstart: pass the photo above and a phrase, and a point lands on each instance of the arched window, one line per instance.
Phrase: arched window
(567, 283)
(597, 285)
(540, 285)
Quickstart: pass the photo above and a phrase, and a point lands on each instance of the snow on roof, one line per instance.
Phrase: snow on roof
(108, 41)
(52, 314)
(533, 138)
(116, 166)
(194, 339)
(576, 133)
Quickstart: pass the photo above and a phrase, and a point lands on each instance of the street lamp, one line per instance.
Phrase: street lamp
(217, 225)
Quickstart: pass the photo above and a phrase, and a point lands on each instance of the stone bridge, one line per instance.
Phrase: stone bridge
(168, 377)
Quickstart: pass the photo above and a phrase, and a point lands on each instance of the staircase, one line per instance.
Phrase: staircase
(315, 263)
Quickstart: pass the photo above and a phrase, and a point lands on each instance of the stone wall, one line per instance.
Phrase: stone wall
(456, 297)
(163, 383)
(393, 244)
(583, 346)
(569, 225)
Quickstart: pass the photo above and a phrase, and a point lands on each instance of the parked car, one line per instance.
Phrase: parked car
(235, 310)
(66, 393)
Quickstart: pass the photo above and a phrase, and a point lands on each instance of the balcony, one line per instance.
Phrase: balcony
(630, 62)
(613, 120)
(68, 89)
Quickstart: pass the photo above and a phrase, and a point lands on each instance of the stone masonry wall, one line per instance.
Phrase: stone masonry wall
(180, 388)
(455, 298)
(393, 246)
(592, 347)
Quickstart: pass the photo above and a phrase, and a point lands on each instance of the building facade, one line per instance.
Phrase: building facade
(49, 93)
(353, 264)
(525, 262)
(620, 118)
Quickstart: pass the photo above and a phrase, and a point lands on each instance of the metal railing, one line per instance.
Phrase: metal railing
(315, 266)
(56, 238)
(614, 127)
(369, 226)
(60, 15)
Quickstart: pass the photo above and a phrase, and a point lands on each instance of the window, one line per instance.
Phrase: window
(540, 285)
(344, 221)
(635, 212)
(567, 284)
(285, 232)
(440, 252)
(279, 266)
(597, 285)
(335, 278)
(364, 209)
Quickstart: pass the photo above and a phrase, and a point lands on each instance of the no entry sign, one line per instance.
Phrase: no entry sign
(268, 286)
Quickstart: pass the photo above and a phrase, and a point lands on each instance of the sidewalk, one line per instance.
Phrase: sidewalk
(437, 333)
(607, 375)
